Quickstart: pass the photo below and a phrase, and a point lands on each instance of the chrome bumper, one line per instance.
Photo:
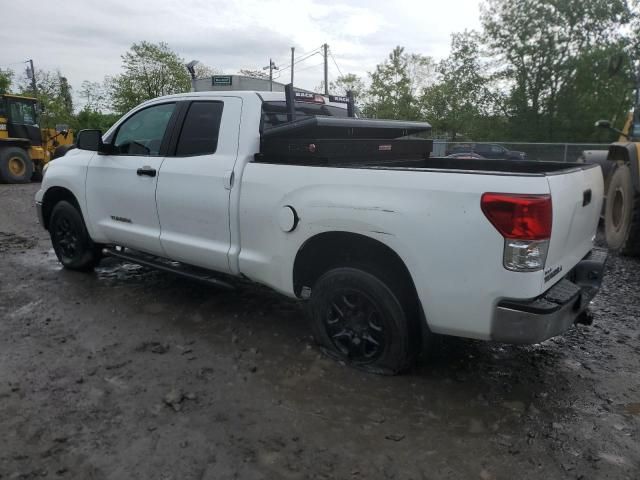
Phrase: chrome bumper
(555, 311)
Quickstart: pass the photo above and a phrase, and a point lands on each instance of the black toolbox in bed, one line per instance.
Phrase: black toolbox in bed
(341, 141)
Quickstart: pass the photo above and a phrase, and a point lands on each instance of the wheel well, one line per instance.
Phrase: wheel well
(52, 197)
(338, 249)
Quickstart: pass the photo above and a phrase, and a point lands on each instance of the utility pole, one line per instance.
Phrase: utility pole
(326, 69)
(293, 49)
(272, 66)
(33, 78)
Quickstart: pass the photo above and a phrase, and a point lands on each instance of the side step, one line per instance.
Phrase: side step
(159, 263)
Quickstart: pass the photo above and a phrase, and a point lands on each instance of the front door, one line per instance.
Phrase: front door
(195, 183)
(121, 185)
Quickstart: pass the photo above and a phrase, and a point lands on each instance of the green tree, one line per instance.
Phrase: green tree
(6, 78)
(461, 97)
(94, 96)
(204, 71)
(150, 70)
(390, 93)
(88, 118)
(94, 113)
(343, 84)
(542, 45)
(592, 93)
(248, 72)
(349, 82)
(54, 95)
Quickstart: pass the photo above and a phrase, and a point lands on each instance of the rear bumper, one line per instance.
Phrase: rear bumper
(556, 310)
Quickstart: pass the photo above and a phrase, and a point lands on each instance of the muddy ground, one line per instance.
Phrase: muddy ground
(129, 373)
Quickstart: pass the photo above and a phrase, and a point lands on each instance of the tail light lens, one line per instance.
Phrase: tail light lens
(525, 223)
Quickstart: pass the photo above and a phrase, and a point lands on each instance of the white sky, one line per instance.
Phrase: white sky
(85, 38)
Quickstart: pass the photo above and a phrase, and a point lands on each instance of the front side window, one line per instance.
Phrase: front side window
(142, 133)
(497, 149)
(199, 135)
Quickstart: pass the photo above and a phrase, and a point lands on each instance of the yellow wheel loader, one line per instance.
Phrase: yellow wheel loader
(24, 147)
(621, 170)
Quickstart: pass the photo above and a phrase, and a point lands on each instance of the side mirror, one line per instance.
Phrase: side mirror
(89, 140)
(603, 124)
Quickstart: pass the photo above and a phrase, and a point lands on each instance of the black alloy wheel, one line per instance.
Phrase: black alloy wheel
(358, 319)
(70, 239)
(353, 323)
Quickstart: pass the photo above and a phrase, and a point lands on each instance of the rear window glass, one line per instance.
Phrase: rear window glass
(275, 113)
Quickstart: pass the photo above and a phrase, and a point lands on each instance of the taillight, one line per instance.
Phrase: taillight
(525, 223)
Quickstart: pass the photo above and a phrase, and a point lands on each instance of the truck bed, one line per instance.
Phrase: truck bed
(383, 144)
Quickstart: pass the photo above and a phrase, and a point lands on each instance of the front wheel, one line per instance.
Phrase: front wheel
(622, 213)
(71, 242)
(356, 318)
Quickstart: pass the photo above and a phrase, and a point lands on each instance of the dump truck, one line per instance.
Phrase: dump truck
(25, 147)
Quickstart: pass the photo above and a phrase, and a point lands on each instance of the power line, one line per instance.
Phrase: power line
(335, 63)
(14, 63)
(299, 70)
(310, 66)
(302, 59)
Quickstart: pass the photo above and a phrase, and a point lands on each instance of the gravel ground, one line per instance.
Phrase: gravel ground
(128, 373)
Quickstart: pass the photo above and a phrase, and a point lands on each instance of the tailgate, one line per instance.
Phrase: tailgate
(576, 197)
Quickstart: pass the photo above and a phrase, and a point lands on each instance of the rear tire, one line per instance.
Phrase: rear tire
(358, 319)
(71, 241)
(622, 213)
(15, 165)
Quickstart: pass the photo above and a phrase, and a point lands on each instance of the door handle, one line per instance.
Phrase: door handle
(228, 179)
(146, 171)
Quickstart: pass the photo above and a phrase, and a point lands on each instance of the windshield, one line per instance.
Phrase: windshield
(275, 113)
(22, 111)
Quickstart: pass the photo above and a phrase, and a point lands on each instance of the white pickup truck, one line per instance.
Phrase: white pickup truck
(384, 243)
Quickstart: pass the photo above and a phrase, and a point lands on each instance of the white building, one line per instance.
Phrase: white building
(235, 82)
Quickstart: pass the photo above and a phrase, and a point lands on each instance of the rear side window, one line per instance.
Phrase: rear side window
(199, 134)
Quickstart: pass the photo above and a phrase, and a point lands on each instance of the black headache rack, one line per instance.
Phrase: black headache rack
(326, 140)
(339, 141)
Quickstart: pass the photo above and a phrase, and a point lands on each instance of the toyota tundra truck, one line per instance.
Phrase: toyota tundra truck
(384, 244)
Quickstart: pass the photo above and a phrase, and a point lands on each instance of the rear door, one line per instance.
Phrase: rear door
(195, 183)
(121, 186)
(576, 198)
